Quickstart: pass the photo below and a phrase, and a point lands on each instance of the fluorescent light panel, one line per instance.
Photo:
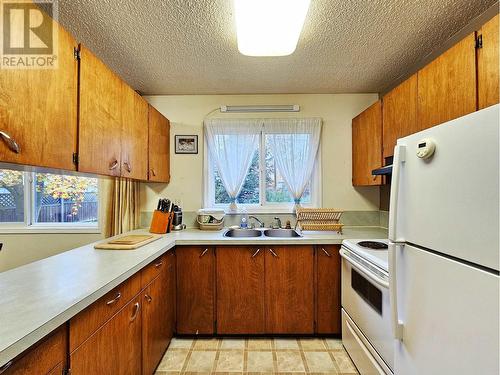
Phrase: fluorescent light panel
(269, 27)
(259, 108)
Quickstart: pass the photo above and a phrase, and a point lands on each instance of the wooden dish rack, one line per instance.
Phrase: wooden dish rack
(319, 219)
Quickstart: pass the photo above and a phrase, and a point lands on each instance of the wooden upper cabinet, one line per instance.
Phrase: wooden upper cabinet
(447, 85)
(100, 127)
(195, 289)
(328, 289)
(367, 146)
(488, 64)
(399, 113)
(289, 292)
(240, 290)
(134, 137)
(159, 146)
(38, 110)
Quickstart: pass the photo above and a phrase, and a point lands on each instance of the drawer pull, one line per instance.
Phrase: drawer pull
(113, 165)
(204, 252)
(13, 146)
(326, 252)
(137, 307)
(118, 296)
(153, 173)
(5, 367)
(255, 254)
(274, 254)
(148, 297)
(159, 264)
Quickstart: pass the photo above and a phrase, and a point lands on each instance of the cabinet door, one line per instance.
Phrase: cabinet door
(328, 289)
(289, 292)
(100, 123)
(195, 289)
(367, 146)
(115, 349)
(159, 146)
(399, 112)
(38, 109)
(240, 290)
(44, 357)
(156, 328)
(447, 86)
(487, 64)
(134, 138)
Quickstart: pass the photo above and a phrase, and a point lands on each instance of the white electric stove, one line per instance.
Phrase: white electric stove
(366, 313)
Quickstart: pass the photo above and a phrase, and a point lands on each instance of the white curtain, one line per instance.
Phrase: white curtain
(232, 143)
(294, 143)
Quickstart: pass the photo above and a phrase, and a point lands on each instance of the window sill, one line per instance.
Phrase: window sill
(259, 210)
(49, 230)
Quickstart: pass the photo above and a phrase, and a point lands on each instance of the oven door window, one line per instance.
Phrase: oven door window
(366, 290)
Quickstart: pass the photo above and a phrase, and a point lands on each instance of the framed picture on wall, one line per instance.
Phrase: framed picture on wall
(186, 144)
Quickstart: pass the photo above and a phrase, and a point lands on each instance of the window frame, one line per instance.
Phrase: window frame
(30, 226)
(263, 206)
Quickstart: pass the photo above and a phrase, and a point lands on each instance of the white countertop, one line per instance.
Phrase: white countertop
(38, 297)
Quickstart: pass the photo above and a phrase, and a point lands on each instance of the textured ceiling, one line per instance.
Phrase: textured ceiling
(189, 46)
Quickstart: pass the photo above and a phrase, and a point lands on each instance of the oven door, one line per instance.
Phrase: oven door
(365, 298)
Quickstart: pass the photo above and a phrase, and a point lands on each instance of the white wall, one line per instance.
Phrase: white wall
(186, 114)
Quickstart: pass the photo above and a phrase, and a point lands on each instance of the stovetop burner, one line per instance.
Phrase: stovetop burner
(374, 245)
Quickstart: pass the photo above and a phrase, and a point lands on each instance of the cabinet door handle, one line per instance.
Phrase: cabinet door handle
(204, 252)
(118, 296)
(5, 367)
(113, 164)
(128, 166)
(13, 145)
(137, 307)
(256, 252)
(148, 297)
(274, 254)
(153, 173)
(159, 264)
(326, 252)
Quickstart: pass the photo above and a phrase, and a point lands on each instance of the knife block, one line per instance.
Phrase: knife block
(160, 223)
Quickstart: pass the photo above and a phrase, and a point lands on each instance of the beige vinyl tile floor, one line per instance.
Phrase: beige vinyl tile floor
(253, 356)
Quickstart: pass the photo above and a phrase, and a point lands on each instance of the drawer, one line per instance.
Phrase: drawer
(44, 357)
(89, 320)
(154, 268)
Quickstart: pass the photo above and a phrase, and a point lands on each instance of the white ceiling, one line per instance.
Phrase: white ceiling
(189, 46)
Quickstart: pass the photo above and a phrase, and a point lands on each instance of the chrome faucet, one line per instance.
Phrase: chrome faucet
(276, 223)
(261, 223)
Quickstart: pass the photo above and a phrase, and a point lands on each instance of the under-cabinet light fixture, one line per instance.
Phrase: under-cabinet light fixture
(259, 108)
(269, 27)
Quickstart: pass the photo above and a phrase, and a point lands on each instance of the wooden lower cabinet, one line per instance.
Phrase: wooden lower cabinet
(240, 290)
(328, 289)
(115, 349)
(289, 292)
(46, 357)
(158, 316)
(195, 289)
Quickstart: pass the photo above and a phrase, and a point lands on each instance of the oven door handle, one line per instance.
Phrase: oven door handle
(365, 350)
(377, 280)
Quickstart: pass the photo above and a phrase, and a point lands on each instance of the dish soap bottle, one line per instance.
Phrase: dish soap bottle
(244, 218)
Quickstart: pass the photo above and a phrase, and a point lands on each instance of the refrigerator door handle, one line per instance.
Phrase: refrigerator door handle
(397, 325)
(399, 159)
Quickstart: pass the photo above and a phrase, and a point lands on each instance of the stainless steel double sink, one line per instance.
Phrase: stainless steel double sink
(249, 233)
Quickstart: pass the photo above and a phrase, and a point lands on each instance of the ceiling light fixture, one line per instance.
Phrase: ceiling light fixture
(269, 27)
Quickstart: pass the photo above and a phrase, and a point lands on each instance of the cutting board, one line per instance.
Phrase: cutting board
(129, 242)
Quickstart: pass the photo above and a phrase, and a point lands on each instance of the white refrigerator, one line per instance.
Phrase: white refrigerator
(444, 248)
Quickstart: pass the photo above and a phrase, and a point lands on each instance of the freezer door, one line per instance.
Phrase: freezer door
(450, 316)
(449, 202)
